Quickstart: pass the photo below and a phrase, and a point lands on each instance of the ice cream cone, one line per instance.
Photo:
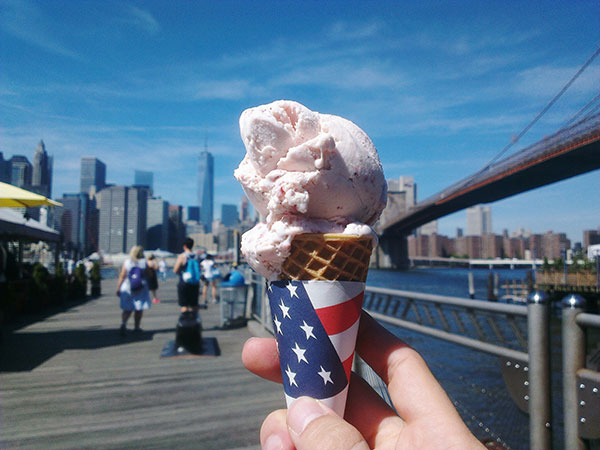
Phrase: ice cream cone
(329, 256)
(316, 312)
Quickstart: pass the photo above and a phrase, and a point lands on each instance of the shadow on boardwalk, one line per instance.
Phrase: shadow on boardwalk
(69, 380)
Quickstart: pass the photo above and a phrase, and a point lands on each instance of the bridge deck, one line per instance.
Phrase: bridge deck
(68, 380)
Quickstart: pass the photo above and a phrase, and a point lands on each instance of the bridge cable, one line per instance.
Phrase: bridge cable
(581, 111)
(515, 139)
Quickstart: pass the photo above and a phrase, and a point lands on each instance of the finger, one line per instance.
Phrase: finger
(371, 415)
(414, 391)
(260, 357)
(274, 433)
(313, 425)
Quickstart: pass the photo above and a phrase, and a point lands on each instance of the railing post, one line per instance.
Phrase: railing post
(538, 338)
(573, 350)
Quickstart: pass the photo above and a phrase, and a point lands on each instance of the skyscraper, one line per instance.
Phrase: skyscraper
(206, 189)
(479, 220)
(41, 178)
(144, 178)
(93, 173)
(20, 171)
(157, 224)
(73, 222)
(122, 218)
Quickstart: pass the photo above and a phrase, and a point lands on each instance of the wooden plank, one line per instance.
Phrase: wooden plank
(70, 380)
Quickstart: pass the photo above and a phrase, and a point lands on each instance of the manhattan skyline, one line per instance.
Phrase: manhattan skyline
(439, 88)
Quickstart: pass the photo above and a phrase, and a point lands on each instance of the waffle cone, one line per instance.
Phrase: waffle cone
(329, 256)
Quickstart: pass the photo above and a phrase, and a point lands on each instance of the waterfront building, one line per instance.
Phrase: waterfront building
(591, 237)
(469, 246)
(479, 220)
(144, 178)
(192, 227)
(429, 228)
(206, 189)
(514, 247)
(229, 215)
(157, 224)
(534, 245)
(492, 246)
(20, 171)
(93, 173)
(122, 218)
(555, 245)
(41, 179)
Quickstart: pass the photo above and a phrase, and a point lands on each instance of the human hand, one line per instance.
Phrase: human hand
(426, 418)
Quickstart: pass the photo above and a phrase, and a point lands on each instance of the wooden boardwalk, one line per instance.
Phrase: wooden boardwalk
(69, 380)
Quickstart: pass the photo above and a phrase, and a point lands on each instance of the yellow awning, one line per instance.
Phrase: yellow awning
(15, 197)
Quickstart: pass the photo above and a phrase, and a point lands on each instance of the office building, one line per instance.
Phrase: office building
(144, 178)
(20, 171)
(479, 220)
(407, 185)
(157, 224)
(93, 173)
(244, 210)
(122, 218)
(176, 228)
(590, 237)
(4, 169)
(206, 189)
(73, 223)
(41, 179)
(229, 215)
(192, 213)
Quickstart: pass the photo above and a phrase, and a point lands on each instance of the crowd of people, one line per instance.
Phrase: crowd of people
(137, 285)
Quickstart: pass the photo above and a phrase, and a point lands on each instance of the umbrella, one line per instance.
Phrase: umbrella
(15, 197)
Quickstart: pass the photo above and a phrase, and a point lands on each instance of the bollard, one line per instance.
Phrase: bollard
(573, 347)
(188, 333)
(471, 286)
(538, 334)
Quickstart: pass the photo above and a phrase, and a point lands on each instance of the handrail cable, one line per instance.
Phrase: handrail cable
(581, 111)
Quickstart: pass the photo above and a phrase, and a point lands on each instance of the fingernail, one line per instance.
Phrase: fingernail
(302, 412)
(273, 442)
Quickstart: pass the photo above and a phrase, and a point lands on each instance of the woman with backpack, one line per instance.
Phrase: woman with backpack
(132, 288)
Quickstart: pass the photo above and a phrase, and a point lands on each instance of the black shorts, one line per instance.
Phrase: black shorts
(188, 294)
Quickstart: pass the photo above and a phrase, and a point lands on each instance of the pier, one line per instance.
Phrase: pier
(69, 380)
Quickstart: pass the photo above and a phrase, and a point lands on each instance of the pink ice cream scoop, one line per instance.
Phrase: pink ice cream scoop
(305, 172)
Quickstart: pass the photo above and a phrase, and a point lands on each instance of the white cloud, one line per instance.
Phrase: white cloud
(547, 81)
(141, 18)
(26, 21)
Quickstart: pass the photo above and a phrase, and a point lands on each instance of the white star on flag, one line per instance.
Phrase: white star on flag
(292, 290)
(308, 330)
(284, 310)
(292, 376)
(325, 375)
(300, 353)
(277, 324)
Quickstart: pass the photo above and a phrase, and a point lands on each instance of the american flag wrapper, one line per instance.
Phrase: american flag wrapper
(316, 323)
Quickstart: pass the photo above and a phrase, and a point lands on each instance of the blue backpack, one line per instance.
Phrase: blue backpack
(191, 274)
(136, 278)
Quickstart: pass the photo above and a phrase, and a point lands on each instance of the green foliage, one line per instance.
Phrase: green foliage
(95, 275)
(546, 265)
(40, 280)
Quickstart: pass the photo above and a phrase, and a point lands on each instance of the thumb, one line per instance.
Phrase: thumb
(314, 425)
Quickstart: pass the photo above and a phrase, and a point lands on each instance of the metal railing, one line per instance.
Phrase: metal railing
(519, 334)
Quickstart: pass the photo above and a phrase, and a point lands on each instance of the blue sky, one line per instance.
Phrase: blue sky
(440, 87)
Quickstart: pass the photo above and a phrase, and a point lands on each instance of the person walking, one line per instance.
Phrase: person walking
(210, 273)
(188, 269)
(162, 269)
(151, 269)
(132, 288)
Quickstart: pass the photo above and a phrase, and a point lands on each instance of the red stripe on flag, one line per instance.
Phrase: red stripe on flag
(348, 366)
(340, 317)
